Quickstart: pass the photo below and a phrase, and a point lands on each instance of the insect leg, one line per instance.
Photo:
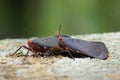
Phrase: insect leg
(20, 48)
(69, 54)
(52, 52)
(26, 55)
(17, 50)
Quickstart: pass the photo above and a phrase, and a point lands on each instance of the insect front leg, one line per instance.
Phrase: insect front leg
(23, 46)
(26, 55)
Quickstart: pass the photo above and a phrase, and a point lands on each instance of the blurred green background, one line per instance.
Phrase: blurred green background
(41, 18)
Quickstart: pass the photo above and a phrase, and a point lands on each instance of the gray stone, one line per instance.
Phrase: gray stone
(61, 68)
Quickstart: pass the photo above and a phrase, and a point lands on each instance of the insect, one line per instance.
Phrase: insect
(44, 46)
(64, 43)
(92, 49)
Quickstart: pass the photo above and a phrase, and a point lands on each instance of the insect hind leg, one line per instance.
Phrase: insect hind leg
(68, 54)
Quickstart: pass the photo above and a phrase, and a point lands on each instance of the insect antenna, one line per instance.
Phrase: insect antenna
(62, 43)
(60, 30)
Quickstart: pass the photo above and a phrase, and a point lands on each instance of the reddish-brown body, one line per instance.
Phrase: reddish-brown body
(35, 47)
(43, 46)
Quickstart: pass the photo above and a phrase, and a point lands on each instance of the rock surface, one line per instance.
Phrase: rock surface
(61, 68)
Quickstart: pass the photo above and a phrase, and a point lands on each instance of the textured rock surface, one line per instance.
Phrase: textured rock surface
(61, 68)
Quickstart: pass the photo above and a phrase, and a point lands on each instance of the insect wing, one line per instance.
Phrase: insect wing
(47, 42)
(93, 49)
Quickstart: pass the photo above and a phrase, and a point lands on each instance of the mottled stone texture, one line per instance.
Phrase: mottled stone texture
(61, 68)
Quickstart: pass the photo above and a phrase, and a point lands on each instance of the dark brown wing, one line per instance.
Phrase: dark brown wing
(93, 49)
